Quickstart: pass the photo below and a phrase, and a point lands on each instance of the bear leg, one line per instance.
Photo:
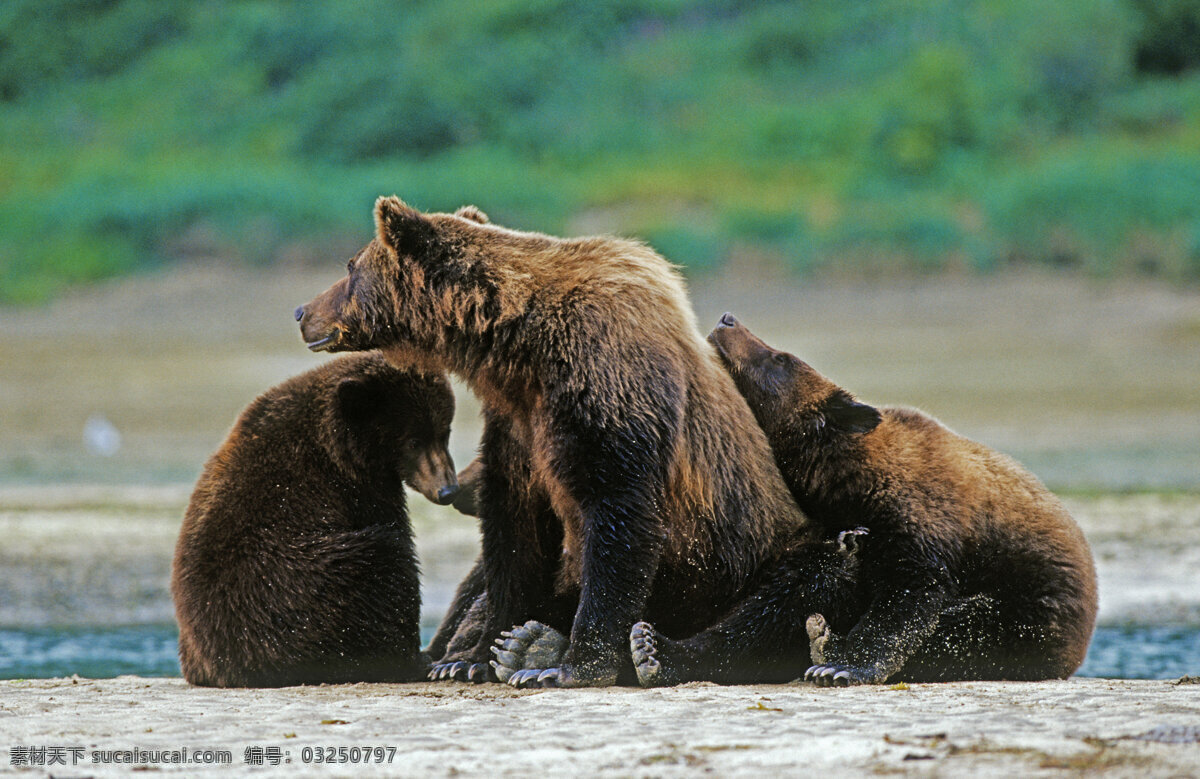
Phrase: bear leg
(456, 663)
(512, 516)
(758, 641)
(464, 617)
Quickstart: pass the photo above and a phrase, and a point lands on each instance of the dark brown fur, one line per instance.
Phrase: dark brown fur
(976, 569)
(622, 471)
(295, 563)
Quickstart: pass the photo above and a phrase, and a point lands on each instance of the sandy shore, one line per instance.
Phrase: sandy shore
(1076, 727)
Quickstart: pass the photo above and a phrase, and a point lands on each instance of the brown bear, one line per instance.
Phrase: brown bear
(623, 475)
(972, 568)
(295, 563)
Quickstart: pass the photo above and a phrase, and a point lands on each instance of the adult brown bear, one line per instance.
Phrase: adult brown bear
(295, 563)
(623, 476)
(974, 569)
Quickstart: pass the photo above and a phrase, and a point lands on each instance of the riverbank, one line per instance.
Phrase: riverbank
(1073, 727)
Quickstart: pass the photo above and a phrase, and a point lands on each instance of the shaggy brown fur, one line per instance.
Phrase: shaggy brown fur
(295, 563)
(976, 570)
(622, 471)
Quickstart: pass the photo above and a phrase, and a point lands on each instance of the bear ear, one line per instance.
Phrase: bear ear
(357, 398)
(403, 229)
(473, 214)
(843, 412)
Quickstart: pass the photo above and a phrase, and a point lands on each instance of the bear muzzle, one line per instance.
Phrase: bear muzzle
(738, 348)
(434, 477)
(318, 336)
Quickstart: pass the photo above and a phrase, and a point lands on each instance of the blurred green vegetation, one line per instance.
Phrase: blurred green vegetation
(905, 134)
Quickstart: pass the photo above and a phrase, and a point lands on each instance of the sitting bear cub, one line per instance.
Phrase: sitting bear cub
(973, 569)
(295, 563)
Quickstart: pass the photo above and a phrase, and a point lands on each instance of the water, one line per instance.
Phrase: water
(93, 652)
(1144, 652)
(1157, 652)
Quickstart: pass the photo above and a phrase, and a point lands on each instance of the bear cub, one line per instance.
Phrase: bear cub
(295, 563)
(974, 570)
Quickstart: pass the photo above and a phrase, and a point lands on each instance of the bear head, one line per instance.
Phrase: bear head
(385, 424)
(786, 394)
(420, 278)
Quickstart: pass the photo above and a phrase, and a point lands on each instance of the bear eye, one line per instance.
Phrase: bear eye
(412, 444)
(350, 266)
(780, 358)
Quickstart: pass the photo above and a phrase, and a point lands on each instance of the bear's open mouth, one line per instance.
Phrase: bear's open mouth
(328, 342)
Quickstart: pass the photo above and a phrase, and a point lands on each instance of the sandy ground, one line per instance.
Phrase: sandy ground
(1073, 728)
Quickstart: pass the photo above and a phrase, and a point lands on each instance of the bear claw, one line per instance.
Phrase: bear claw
(505, 658)
(440, 671)
(524, 678)
(459, 671)
(832, 676)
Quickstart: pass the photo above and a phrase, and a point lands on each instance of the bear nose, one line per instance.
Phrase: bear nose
(728, 319)
(446, 494)
(299, 313)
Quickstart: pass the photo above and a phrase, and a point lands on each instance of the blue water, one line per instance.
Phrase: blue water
(1144, 652)
(37, 653)
(95, 652)
(1159, 652)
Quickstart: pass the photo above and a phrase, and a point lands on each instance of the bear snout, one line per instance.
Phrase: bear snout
(727, 320)
(433, 476)
(299, 313)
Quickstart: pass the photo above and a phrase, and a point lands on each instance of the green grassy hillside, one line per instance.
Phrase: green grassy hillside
(888, 134)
